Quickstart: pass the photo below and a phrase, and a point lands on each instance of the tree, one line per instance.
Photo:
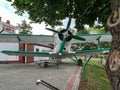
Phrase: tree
(53, 11)
(113, 61)
(24, 28)
(97, 30)
(84, 12)
(83, 31)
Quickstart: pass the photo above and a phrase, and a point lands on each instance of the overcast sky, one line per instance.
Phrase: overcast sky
(7, 13)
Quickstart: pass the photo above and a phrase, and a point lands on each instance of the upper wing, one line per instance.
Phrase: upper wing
(93, 38)
(26, 38)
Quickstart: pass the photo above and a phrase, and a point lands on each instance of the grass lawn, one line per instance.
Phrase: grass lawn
(96, 78)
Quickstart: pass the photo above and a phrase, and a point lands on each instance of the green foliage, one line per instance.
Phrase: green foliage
(105, 44)
(97, 30)
(24, 28)
(83, 31)
(53, 11)
(89, 46)
(96, 76)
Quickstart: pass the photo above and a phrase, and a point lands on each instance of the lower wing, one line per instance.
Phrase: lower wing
(92, 51)
(39, 54)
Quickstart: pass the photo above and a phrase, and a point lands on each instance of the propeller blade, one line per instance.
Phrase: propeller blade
(52, 30)
(69, 22)
(62, 45)
(78, 38)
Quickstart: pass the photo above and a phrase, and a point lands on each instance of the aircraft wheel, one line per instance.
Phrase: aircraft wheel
(80, 63)
(45, 64)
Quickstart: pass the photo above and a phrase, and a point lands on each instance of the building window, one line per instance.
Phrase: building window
(37, 50)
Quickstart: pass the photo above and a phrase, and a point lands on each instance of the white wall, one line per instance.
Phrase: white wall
(41, 49)
(8, 46)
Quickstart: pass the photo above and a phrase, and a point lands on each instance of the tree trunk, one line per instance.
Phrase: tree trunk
(113, 60)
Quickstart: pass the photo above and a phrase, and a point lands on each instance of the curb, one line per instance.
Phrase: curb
(74, 81)
(77, 80)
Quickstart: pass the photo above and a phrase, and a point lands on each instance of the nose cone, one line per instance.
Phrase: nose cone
(65, 34)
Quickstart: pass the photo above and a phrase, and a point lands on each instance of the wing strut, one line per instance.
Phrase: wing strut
(19, 41)
(98, 39)
(84, 67)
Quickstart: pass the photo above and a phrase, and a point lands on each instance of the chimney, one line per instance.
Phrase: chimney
(8, 22)
(0, 18)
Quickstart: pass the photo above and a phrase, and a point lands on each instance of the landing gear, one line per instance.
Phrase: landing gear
(80, 63)
(45, 64)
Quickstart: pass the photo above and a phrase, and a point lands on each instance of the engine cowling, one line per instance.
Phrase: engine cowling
(65, 34)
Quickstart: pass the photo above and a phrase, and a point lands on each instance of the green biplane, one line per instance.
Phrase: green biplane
(62, 43)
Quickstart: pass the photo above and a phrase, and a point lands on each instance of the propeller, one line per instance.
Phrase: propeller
(68, 25)
(77, 37)
(52, 30)
(69, 36)
(65, 35)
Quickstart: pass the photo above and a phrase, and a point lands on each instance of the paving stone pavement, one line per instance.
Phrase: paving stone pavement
(24, 76)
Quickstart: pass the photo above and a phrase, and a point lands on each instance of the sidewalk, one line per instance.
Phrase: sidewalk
(24, 76)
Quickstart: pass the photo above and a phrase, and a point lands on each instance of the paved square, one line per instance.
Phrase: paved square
(24, 76)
